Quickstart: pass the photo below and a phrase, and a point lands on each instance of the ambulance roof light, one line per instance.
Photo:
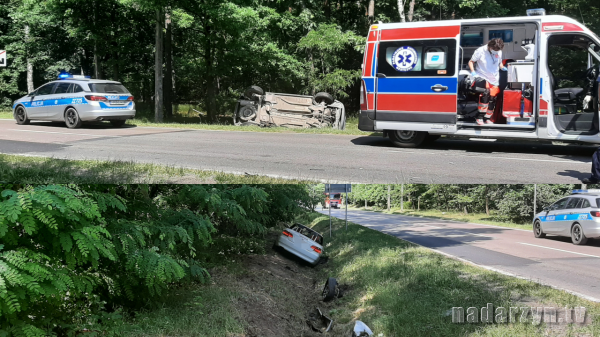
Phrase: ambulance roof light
(586, 191)
(536, 12)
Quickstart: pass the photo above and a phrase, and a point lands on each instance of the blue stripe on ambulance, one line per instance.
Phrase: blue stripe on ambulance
(413, 85)
(563, 217)
(369, 84)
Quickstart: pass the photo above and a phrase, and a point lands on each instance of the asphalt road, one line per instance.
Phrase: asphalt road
(333, 158)
(554, 261)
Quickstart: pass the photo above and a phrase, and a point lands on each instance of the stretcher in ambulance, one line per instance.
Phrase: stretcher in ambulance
(416, 84)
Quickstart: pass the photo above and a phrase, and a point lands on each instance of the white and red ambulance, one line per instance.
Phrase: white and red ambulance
(416, 84)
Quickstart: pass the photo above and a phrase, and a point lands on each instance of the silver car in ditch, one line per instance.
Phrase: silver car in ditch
(303, 242)
(286, 110)
(577, 216)
(75, 100)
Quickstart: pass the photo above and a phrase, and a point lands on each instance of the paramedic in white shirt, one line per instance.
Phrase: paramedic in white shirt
(486, 75)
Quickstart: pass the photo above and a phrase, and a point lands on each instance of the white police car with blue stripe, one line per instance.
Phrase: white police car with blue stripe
(74, 100)
(577, 216)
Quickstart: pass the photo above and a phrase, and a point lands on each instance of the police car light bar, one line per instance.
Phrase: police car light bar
(585, 191)
(536, 12)
(64, 75)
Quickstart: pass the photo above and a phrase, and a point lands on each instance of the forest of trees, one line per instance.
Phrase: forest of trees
(504, 202)
(208, 51)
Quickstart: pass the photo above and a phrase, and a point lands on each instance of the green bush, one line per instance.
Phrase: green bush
(73, 257)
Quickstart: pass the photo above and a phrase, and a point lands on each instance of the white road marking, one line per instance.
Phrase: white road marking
(561, 250)
(499, 157)
(63, 133)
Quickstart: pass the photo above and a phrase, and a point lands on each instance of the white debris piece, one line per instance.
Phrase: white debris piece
(360, 328)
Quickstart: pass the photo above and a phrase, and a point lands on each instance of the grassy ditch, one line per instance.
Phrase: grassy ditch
(479, 218)
(401, 289)
(41, 170)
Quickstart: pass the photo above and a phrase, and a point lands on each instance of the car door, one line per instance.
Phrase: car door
(38, 107)
(554, 215)
(58, 101)
(417, 76)
(568, 215)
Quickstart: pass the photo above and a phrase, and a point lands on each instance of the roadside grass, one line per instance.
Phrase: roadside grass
(6, 114)
(401, 289)
(41, 170)
(480, 218)
(194, 310)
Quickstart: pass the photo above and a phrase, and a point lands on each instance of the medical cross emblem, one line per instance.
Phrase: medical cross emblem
(405, 58)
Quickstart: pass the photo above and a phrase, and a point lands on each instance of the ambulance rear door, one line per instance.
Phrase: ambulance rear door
(416, 82)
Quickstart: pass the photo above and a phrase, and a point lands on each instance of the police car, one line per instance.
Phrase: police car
(74, 100)
(577, 216)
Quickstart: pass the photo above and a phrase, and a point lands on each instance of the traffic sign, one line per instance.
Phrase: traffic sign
(338, 188)
(2, 58)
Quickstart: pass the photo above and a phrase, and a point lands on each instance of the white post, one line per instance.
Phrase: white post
(402, 199)
(346, 208)
(389, 188)
(329, 195)
(534, 199)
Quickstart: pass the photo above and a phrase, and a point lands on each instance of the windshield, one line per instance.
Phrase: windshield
(108, 88)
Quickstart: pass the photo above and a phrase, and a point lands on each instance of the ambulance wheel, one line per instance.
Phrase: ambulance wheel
(537, 230)
(403, 138)
(323, 97)
(117, 123)
(21, 116)
(249, 93)
(577, 235)
(72, 119)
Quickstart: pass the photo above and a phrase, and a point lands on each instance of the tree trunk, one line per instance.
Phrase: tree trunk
(30, 86)
(168, 68)
(211, 104)
(158, 67)
(401, 10)
(97, 69)
(371, 11)
(411, 10)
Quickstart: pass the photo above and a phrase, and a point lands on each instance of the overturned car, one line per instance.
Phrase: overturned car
(294, 111)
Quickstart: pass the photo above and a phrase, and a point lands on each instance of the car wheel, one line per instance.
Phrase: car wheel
(117, 123)
(537, 230)
(331, 290)
(403, 138)
(72, 119)
(249, 93)
(323, 97)
(577, 235)
(21, 116)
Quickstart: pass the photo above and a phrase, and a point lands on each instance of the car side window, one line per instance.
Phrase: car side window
(585, 204)
(77, 88)
(62, 88)
(559, 204)
(46, 89)
(573, 203)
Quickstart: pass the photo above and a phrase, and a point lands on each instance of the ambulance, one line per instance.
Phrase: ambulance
(416, 84)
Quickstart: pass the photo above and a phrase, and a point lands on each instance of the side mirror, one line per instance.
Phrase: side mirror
(31, 94)
(546, 209)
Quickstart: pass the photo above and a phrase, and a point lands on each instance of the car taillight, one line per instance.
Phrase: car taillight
(316, 249)
(288, 234)
(595, 213)
(130, 98)
(95, 98)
